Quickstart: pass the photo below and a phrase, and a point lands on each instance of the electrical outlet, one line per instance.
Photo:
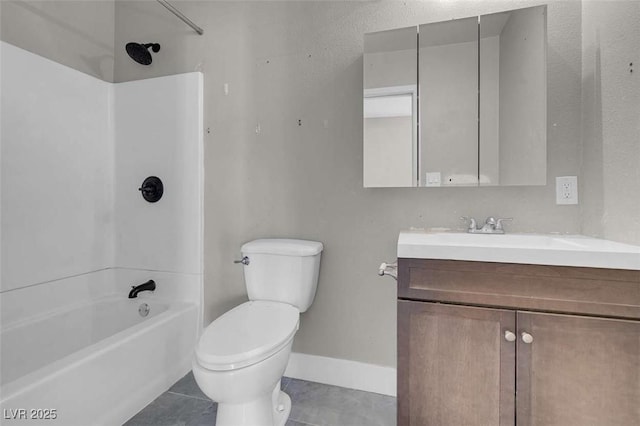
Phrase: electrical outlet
(567, 190)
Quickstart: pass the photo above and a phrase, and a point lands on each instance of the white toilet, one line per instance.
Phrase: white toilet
(242, 355)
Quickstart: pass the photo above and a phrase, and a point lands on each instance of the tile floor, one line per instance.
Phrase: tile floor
(313, 404)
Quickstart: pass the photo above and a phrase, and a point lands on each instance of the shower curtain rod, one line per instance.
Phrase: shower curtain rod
(179, 14)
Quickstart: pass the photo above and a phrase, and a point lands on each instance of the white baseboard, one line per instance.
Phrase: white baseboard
(342, 372)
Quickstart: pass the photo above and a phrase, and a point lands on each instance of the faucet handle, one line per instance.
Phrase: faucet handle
(490, 220)
(499, 222)
(472, 222)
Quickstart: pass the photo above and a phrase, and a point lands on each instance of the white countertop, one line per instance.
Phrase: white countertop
(535, 249)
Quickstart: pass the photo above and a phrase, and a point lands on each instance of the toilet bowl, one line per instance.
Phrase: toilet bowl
(241, 356)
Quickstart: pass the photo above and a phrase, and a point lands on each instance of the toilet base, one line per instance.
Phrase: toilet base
(282, 409)
(276, 406)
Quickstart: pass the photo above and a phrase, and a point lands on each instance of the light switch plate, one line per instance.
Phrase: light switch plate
(567, 190)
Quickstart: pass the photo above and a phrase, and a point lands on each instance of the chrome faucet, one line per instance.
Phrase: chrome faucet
(491, 225)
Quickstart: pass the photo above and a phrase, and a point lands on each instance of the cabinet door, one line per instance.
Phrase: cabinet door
(577, 371)
(455, 366)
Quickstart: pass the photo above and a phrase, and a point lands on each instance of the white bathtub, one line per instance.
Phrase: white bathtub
(98, 363)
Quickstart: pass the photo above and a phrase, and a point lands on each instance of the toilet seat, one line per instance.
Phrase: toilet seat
(246, 335)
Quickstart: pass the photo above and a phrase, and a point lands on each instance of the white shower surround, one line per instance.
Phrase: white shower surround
(76, 232)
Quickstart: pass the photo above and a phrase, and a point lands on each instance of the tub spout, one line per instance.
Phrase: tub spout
(148, 286)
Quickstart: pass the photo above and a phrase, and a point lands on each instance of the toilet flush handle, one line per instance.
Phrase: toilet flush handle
(244, 260)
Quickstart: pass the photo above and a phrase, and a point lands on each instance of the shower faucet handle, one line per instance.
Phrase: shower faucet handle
(152, 189)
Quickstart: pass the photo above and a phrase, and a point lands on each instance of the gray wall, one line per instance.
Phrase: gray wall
(303, 60)
(611, 120)
(79, 34)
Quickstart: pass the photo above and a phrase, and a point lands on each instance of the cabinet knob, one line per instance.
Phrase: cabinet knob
(526, 337)
(509, 336)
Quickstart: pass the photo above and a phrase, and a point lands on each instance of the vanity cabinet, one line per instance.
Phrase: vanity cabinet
(578, 371)
(453, 366)
(511, 344)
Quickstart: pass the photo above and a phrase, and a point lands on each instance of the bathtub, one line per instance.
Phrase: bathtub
(97, 363)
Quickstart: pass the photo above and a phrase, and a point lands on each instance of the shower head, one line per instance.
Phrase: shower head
(140, 52)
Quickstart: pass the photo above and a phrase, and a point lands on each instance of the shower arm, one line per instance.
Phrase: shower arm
(179, 14)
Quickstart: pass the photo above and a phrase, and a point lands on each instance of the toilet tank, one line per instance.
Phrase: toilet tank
(282, 270)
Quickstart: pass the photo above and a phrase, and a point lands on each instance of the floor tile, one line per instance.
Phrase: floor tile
(320, 404)
(188, 386)
(313, 404)
(175, 410)
(205, 418)
(295, 423)
(284, 382)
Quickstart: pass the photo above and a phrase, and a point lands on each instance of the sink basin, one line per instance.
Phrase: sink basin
(537, 249)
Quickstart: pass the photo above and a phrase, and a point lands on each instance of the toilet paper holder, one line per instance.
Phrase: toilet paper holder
(390, 269)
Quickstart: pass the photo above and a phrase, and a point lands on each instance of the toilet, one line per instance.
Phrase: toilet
(241, 356)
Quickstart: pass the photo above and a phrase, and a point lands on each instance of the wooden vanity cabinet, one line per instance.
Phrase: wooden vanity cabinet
(453, 366)
(508, 344)
(578, 371)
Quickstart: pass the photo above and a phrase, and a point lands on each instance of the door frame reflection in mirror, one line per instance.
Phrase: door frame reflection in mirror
(394, 91)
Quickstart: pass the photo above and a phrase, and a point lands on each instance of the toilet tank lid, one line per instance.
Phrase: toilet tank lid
(282, 246)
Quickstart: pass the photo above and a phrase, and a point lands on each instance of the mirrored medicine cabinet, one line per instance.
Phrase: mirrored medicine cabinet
(457, 103)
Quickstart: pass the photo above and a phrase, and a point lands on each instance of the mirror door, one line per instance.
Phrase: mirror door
(448, 82)
(513, 97)
(390, 108)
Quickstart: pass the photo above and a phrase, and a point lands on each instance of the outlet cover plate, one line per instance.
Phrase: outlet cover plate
(566, 190)
(432, 179)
